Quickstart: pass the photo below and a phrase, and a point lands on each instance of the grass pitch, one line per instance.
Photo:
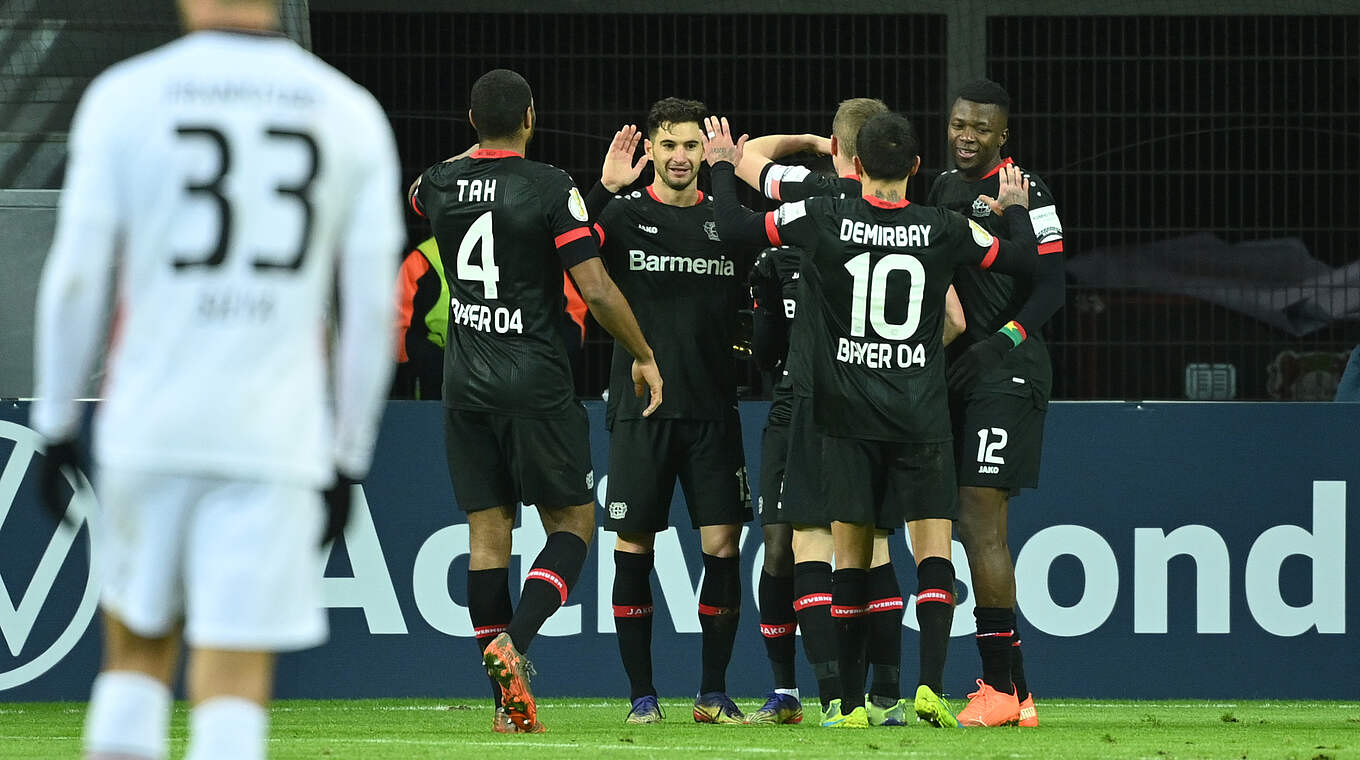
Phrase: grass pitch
(594, 728)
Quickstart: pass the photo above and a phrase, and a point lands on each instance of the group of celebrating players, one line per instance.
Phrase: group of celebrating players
(229, 188)
(856, 294)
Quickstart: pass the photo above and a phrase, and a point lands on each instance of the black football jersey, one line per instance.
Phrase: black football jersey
(780, 182)
(500, 221)
(877, 274)
(686, 287)
(794, 183)
(775, 286)
(991, 299)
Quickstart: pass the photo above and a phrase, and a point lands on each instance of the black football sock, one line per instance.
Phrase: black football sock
(633, 618)
(934, 615)
(812, 604)
(995, 634)
(849, 609)
(489, 607)
(885, 635)
(719, 611)
(554, 572)
(777, 626)
(1018, 665)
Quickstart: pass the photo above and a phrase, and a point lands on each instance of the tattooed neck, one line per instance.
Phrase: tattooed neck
(890, 195)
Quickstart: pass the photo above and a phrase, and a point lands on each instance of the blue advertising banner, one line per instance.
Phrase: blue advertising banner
(1168, 544)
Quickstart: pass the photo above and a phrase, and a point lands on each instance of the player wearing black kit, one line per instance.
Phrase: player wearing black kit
(661, 245)
(514, 431)
(800, 502)
(878, 270)
(998, 414)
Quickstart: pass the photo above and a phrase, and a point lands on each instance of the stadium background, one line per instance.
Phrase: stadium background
(1152, 121)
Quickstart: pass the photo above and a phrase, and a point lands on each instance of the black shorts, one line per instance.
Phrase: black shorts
(888, 483)
(500, 460)
(774, 450)
(801, 501)
(999, 438)
(647, 456)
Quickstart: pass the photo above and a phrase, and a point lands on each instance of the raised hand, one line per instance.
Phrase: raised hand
(718, 143)
(619, 169)
(1014, 190)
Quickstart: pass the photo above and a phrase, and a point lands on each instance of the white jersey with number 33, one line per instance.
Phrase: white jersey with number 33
(229, 184)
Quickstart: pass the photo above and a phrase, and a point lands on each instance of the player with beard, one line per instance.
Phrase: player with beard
(686, 286)
(877, 272)
(796, 526)
(1000, 382)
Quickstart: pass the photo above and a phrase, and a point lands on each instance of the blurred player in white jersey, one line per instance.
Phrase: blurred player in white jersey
(229, 183)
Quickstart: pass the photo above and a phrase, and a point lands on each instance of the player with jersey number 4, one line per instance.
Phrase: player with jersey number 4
(514, 430)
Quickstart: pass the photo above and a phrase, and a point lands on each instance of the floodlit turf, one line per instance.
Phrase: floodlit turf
(594, 728)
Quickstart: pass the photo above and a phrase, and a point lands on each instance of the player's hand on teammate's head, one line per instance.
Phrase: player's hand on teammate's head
(719, 145)
(338, 499)
(60, 458)
(1014, 190)
(647, 379)
(620, 169)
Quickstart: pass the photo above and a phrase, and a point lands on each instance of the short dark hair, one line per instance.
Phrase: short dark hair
(669, 111)
(986, 91)
(499, 100)
(887, 146)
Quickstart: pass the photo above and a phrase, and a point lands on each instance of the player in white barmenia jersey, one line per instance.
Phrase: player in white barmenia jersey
(228, 184)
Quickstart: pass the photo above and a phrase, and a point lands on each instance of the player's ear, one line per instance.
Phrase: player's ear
(1005, 135)
(647, 148)
(471, 120)
(915, 167)
(529, 115)
(859, 168)
(835, 145)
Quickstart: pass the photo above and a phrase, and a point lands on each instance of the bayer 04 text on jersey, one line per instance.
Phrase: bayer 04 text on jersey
(486, 319)
(876, 355)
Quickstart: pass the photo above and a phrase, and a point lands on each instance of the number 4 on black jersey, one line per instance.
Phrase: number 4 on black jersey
(508, 223)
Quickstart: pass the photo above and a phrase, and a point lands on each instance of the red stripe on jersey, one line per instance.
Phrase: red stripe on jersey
(995, 634)
(934, 595)
(812, 600)
(488, 631)
(492, 153)
(771, 229)
(652, 192)
(551, 578)
(710, 610)
(701, 195)
(778, 631)
(599, 234)
(1007, 161)
(415, 206)
(1053, 247)
(848, 612)
(991, 254)
(631, 611)
(571, 236)
(886, 604)
(887, 204)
